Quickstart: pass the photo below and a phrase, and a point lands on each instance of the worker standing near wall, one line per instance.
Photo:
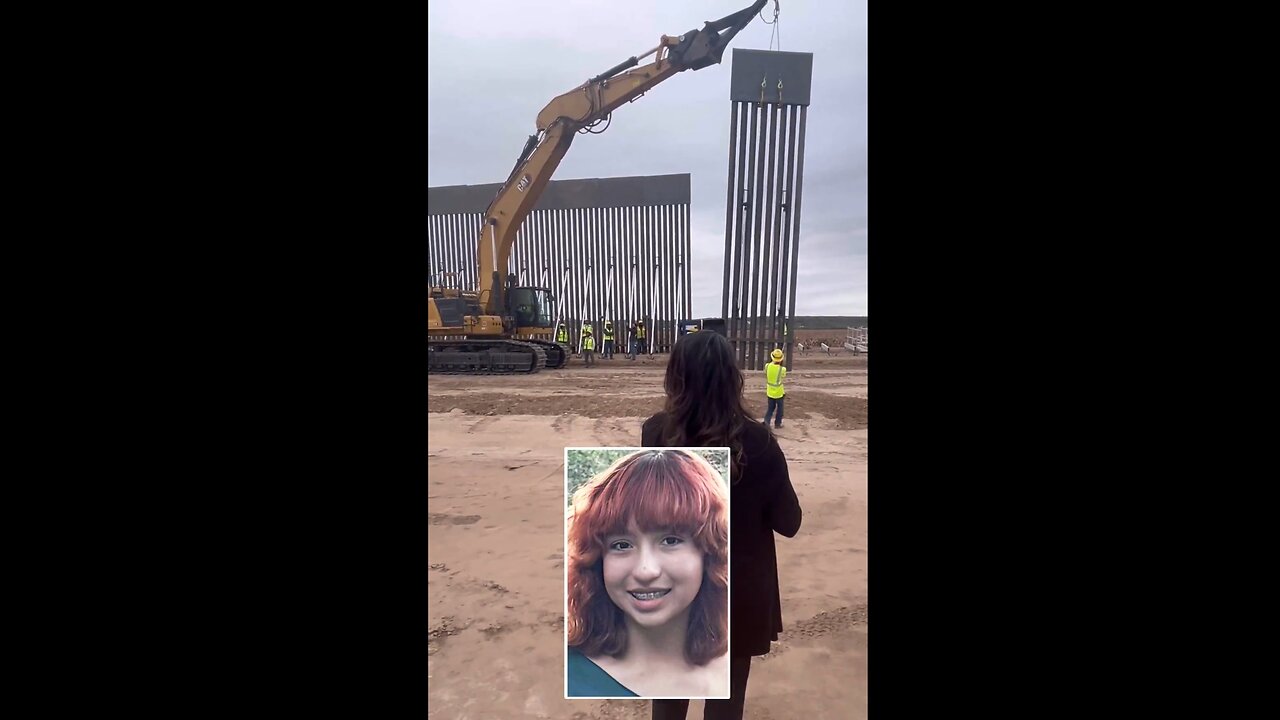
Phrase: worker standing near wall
(774, 374)
(640, 338)
(562, 335)
(607, 354)
(588, 345)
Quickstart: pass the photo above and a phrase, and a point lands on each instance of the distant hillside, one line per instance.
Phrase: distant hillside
(830, 322)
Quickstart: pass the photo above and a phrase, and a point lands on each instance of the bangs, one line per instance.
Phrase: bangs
(686, 496)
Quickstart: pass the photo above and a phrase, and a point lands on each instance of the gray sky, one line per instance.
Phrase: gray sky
(493, 64)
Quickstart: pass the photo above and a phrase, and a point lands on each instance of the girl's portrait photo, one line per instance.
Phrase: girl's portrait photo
(647, 573)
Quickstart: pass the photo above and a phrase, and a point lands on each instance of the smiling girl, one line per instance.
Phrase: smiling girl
(647, 565)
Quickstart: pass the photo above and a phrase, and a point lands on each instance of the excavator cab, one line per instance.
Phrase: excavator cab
(532, 307)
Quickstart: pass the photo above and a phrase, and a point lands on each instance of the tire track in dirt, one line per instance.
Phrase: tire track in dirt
(831, 621)
(451, 626)
(828, 622)
(481, 424)
(447, 519)
(629, 432)
(616, 710)
(846, 412)
(610, 432)
(439, 633)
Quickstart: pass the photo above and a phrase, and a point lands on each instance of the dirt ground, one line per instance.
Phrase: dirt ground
(495, 579)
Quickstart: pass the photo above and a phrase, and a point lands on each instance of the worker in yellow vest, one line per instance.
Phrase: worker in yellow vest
(608, 340)
(637, 339)
(774, 374)
(588, 345)
(562, 335)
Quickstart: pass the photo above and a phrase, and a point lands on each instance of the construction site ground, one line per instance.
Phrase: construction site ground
(496, 534)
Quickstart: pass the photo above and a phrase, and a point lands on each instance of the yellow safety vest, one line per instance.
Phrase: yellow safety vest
(774, 374)
(588, 342)
(608, 333)
(640, 332)
(562, 336)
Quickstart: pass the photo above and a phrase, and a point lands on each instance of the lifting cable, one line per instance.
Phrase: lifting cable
(777, 8)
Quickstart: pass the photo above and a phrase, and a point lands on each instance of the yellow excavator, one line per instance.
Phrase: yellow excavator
(501, 328)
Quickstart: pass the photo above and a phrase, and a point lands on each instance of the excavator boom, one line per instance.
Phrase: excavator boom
(580, 109)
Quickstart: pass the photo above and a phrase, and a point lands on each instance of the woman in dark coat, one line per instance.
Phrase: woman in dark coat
(704, 408)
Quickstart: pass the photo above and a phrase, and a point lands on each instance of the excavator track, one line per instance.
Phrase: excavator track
(557, 354)
(485, 357)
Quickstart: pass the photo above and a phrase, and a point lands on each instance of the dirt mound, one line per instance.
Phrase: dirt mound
(848, 412)
(487, 403)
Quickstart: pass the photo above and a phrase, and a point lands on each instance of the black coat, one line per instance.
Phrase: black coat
(761, 502)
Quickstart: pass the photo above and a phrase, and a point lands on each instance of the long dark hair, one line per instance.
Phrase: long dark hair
(704, 397)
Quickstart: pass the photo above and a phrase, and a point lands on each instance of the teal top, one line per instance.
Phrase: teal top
(587, 679)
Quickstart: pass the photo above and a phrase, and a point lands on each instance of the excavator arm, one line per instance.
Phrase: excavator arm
(579, 110)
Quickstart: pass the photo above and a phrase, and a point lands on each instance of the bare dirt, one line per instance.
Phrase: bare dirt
(495, 503)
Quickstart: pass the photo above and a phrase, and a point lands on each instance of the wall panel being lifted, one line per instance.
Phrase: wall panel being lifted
(769, 93)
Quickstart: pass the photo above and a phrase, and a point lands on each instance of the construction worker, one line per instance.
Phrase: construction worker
(588, 345)
(774, 374)
(562, 335)
(639, 350)
(608, 340)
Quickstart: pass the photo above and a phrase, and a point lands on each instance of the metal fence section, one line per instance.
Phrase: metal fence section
(856, 339)
(769, 92)
(612, 249)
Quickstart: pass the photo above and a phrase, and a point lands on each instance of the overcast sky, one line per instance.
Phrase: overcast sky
(493, 64)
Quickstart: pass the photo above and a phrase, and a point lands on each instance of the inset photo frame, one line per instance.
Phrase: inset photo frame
(646, 573)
